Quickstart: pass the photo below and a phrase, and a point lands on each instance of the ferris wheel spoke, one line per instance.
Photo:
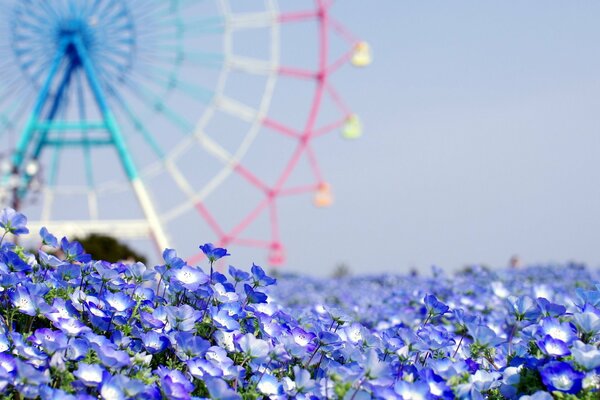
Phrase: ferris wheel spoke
(82, 117)
(215, 149)
(251, 20)
(250, 65)
(153, 101)
(297, 16)
(297, 73)
(207, 25)
(280, 128)
(235, 108)
(14, 113)
(313, 163)
(171, 81)
(178, 178)
(137, 123)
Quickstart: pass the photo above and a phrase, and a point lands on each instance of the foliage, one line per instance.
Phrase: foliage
(108, 248)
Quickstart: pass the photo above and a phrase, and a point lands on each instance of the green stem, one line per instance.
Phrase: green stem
(458, 347)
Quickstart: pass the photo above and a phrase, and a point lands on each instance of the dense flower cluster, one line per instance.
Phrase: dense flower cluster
(72, 327)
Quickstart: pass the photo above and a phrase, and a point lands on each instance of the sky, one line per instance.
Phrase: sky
(480, 141)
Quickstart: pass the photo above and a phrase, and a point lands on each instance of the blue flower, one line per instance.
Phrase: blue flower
(22, 300)
(183, 318)
(553, 347)
(219, 389)
(118, 301)
(260, 278)
(73, 251)
(238, 275)
(213, 253)
(90, 375)
(557, 330)
(48, 239)
(190, 277)
(254, 296)
(253, 347)
(434, 306)
(561, 376)
(155, 342)
(13, 222)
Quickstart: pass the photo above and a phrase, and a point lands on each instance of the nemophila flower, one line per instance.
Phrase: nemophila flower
(553, 347)
(150, 322)
(238, 275)
(77, 349)
(111, 357)
(14, 263)
(254, 296)
(5, 343)
(303, 338)
(223, 320)
(539, 395)
(252, 347)
(8, 370)
(561, 376)
(50, 340)
(434, 307)
(549, 309)
(269, 385)
(48, 239)
(188, 345)
(22, 300)
(155, 342)
(587, 323)
(13, 222)
(48, 260)
(118, 301)
(225, 293)
(219, 389)
(183, 318)
(437, 385)
(90, 375)
(68, 272)
(557, 330)
(71, 326)
(587, 297)
(412, 390)
(213, 253)
(523, 308)
(190, 277)
(586, 355)
(483, 336)
(260, 278)
(73, 251)
(29, 379)
(200, 368)
(139, 273)
(174, 384)
(49, 393)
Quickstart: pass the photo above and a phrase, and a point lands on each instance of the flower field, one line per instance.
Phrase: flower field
(72, 327)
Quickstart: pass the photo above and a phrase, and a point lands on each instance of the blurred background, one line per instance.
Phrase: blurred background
(481, 142)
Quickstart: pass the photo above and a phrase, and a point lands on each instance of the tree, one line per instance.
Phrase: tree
(104, 247)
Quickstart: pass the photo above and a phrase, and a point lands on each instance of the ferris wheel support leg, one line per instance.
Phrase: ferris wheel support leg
(156, 229)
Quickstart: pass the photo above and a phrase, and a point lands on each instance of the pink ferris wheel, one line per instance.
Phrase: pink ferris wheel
(177, 121)
(345, 122)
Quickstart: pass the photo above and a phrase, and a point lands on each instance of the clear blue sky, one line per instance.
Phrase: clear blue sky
(482, 139)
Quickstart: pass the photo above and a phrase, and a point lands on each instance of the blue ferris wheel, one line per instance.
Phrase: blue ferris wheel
(108, 109)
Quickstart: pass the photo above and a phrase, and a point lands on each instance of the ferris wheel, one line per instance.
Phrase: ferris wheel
(130, 118)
